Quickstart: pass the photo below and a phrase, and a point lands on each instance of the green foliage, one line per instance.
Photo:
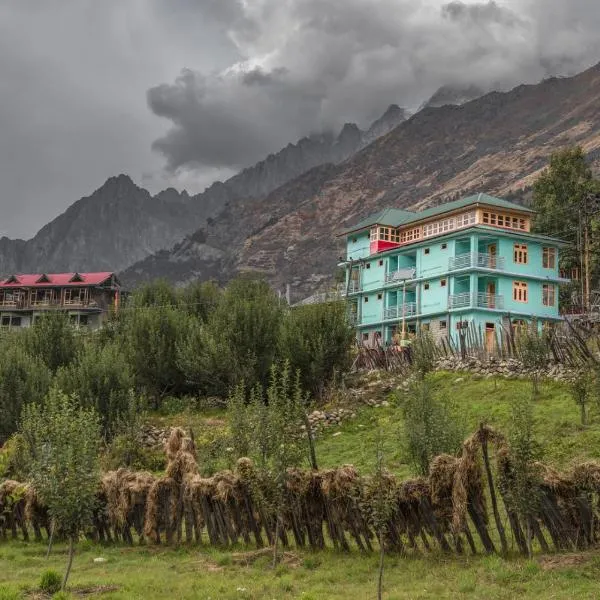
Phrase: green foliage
(23, 379)
(236, 344)
(100, 378)
(200, 298)
(524, 485)
(53, 340)
(558, 197)
(240, 432)
(533, 351)
(13, 458)
(316, 340)
(432, 426)
(50, 582)
(423, 353)
(156, 293)
(151, 337)
(63, 443)
(581, 391)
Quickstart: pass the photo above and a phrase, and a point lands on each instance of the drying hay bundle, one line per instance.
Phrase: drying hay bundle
(163, 510)
(36, 513)
(12, 508)
(174, 443)
(182, 465)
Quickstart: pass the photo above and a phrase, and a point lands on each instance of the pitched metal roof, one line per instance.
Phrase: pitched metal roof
(395, 217)
(56, 279)
(388, 216)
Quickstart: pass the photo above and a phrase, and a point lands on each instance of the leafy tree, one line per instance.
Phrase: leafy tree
(151, 337)
(156, 293)
(423, 354)
(581, 391)
(432, 426)
(532, 350)
(100, 377)
(23, 379)
(237, 343)
(524, 486)
(316, 340)
(53, 339)
(559, 197)
(63, 441)
(200, 298)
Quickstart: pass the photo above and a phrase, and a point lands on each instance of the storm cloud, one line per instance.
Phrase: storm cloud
(310, 65)
(183, 92)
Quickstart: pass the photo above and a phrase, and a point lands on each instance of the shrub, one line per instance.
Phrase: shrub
(50, 582)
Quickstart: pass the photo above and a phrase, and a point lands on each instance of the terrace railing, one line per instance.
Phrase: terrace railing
(476, 259)
(476, 300)
(398, 312)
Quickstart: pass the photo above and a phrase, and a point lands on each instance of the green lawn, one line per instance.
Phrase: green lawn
(148, 573)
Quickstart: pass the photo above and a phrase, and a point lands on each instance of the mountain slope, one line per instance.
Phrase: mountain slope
(497, 143)
(121, 223)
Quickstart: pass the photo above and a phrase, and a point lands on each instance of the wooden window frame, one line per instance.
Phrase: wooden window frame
(520, 254)
(443, 282)
(548, 257)
(548, 294)
(520, 291)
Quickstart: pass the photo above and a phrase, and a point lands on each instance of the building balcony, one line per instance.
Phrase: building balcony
(400, 275)
(476, 300)
(476, 260)
(353, 287)
(402, 311)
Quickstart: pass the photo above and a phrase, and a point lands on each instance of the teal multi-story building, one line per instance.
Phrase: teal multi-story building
(469, 262)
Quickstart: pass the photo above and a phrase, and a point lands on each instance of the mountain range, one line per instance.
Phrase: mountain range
(121, 223)
(280, 217)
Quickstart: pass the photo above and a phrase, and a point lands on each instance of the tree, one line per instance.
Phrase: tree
(63, 441)
(156, 293)
(523, 489)
(431, 424)
(199, 298)
(561, 198)
(581, 391)
(23, 379)
(151, 337)
(53, 339)
(316, 339)
(99, 377)
(532, 350)
(237, 343)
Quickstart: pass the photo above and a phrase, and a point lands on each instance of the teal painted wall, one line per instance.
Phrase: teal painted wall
(358, 245)
(372, 311)
(434, 299)
(436, 262)
(373, 274)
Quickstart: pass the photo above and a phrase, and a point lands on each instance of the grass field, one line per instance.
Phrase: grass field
(149, 573)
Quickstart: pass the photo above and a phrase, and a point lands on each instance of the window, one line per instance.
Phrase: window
(373, 234)
(519, 291)
(503, 220)
(365, 337)
(381, 263)
(444, 246)
(548, 294)
(424, 326)
(15, 322)
(520, 254)
(366, 298)
(442, 282)
(5, 321)
(83, 320)
(368, 266)
(443, 324)
(549, 258)
(426, 251)
(354, 240)
(384, 234)
(426, 286)
(379, 296)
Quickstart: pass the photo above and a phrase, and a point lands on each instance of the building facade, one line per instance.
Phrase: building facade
(470, 262)
(86, 297)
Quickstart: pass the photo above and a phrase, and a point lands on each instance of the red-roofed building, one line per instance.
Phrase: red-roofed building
(86, 297)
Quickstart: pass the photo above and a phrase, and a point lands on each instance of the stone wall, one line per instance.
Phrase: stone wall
(510, 368)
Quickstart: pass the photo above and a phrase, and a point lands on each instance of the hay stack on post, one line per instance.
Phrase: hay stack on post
(36, 513)
(12, 509)
(246, 476)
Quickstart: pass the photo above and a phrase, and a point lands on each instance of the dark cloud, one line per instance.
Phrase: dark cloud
(316, 64)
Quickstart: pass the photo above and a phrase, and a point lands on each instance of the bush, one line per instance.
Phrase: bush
(50, 582)
(432, 426)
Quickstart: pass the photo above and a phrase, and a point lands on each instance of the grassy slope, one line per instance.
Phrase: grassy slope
(206, 573)
(149, 573)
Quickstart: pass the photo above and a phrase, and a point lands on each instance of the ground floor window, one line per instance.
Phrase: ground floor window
(548, 295)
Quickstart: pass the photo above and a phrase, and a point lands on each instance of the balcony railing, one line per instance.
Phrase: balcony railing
(476, 259)
(398, 312)
(400, 275)
(353, 287)
(476, 300)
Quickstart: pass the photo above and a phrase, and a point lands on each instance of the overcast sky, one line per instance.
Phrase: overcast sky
(183, 92)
